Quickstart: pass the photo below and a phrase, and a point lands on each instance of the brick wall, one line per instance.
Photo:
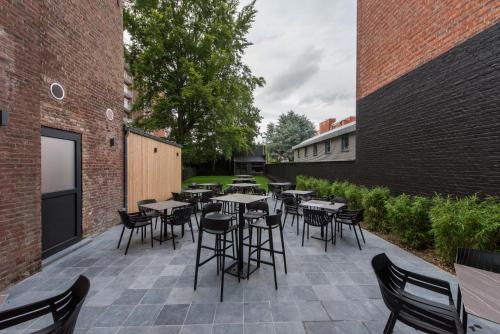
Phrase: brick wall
(79, 44)
(395, 37)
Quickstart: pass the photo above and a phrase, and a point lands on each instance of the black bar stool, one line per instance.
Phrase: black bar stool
(217, 224)
(270, 223)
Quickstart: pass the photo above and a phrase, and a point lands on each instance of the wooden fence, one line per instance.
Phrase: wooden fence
(153, 168)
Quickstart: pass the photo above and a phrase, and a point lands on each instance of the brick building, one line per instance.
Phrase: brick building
(428, 95)
(75, 48)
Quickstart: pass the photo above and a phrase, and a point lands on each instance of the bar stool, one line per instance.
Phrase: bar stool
(217, 224)
(270, 223)
(215, 208)
(291, 205)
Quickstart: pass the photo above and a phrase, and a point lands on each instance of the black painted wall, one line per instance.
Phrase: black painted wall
(342, 170)
(435, 129)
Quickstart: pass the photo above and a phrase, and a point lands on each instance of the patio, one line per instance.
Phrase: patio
(151, 289)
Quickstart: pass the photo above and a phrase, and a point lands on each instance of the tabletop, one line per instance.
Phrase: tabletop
(480, 291)
(323, 205)
(240, 198)
(165, 205)
(196, 191)
(280, 183)
(206, 184)
(243, 185)
(298, 192)
(243, 176)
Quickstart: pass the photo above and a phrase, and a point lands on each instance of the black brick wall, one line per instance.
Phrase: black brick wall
(435, 129)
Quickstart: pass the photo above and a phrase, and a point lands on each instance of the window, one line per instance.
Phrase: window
(315, 149)
(328, 148)
(298, 153)
(345, 143)
(305, 151)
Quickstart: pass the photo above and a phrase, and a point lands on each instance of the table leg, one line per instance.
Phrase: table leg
(241, 225)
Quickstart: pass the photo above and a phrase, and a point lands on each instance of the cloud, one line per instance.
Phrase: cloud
(296, 75)
(326, 98)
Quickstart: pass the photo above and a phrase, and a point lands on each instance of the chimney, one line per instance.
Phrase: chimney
(326, 125)
(345, 121)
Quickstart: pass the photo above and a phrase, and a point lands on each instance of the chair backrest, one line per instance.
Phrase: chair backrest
(289, 200)
(181, 215)
(211, 207)
(258, 206)
(338, 199)
(355, 216)
(481, 259)
(64, 307)
(179, 197)
(146, 211)
(125, 219)
(274, 219)
(259, 191)
(316, 217)
(206, 196)
(390, 280)
(216, 225)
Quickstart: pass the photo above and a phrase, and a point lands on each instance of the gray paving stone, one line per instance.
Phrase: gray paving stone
(257, 312)
(289, 328)
(229, 313)
(130, 297)
(285, 312)
(172, 314)
(312, 311)
(196, 329)
(156, 296)
(261, 328)
(228, 329)
(200, 314)
(143, 315)
(114, 316)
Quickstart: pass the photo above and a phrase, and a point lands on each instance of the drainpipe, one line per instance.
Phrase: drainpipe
(125, 170)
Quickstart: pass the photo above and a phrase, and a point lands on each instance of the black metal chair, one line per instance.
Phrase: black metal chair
(317, 218)
(64, 308)
(256, 210)
(179, 217)
(417, 312)
(259, 191)
(192, 200)
(291, 207)
(481, 259)
(148, 212)
(270, 223)
(134, 221)
(206, 198)
(219, 225)
(351, 218)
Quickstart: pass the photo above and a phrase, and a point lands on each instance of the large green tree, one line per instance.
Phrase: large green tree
(186, 59)
(290, 130)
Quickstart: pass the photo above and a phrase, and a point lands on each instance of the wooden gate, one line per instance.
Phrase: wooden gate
(153, 168)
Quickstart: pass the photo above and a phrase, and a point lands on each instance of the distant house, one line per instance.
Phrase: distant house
(337, 144)
(253, 163)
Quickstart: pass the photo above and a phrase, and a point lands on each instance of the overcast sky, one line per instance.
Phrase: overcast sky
(305, 49)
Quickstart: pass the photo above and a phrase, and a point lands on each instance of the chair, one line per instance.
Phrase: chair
(218, 225)
(213, 210)
(148, 212)
(192, 200)
(481, 259)
(317, 218)
(351, 218)
(270, 223)
(206, 197)
(256, 210)
(417, 312)
(291, 207)
(134, 221)
(259, 191)
(64, 308)
(179, 217)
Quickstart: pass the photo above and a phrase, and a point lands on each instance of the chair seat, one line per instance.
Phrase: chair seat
(345, 221)
(261, 224)
(219, 216)
(230, 229)
(254, 215)
(141, 224)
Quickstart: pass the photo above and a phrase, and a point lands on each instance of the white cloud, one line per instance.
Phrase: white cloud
(306, 52)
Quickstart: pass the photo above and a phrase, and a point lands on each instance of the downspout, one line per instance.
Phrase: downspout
(125, 169)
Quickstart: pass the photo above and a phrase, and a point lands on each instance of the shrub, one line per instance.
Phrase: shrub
(301, 181)
(375, 211)
(464, 222)
(338, 188)
(408, 218)
(354, 195)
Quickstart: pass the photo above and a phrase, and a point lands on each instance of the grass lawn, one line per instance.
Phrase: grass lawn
(225, 180)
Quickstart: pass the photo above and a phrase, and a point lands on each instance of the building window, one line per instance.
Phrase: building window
(328, 147)
(305, 151)
(298, 153)
(315, 149)
(345, 143)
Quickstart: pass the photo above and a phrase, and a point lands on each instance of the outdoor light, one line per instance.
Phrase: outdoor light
(155, 149)
(112, 142)
(4, 118)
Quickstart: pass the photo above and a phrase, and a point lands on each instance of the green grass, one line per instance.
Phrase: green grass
(225, 180)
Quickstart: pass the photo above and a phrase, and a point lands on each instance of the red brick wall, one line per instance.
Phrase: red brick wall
(20, 65)
(79, 44)
(326, 125)
(396, 36)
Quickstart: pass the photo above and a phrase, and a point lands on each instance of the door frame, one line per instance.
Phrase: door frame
(77, 138)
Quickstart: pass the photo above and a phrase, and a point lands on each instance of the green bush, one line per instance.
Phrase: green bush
(464, 222)
(354, 195)
(301, 181)
(407, 217)
(338, 188)
(375, 211)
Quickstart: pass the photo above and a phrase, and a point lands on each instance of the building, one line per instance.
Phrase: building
(61, 85)
(337, 144)
(253, 163)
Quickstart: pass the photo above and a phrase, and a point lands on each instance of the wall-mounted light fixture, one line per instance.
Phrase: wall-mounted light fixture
(4, 118)
(155, 149)
(177, 154)
(112, 142)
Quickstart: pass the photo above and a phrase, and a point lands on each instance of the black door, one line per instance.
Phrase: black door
(61, 190)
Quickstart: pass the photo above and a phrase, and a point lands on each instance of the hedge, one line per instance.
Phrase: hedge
(444, 223)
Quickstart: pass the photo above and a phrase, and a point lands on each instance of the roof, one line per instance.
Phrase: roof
(342, 130)
(143, 133)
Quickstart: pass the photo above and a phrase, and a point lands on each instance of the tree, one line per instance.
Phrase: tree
(290, 130)
(186, 59)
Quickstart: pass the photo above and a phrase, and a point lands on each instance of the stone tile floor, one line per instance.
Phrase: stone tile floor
(151, 289)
